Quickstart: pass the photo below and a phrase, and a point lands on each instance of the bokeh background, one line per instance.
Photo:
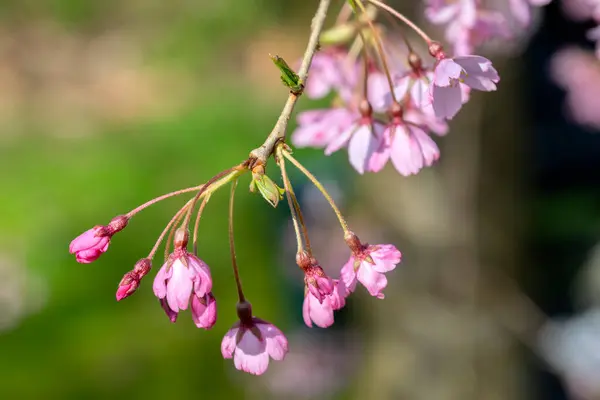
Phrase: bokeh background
(105, 104)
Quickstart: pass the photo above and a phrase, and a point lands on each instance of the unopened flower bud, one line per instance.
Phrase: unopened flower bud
(181, 238)
(118, 223)
(267, 188)
(142, 267)
(128, 285)
(436, 50)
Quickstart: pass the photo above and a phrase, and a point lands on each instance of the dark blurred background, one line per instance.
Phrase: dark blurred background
(106, 104)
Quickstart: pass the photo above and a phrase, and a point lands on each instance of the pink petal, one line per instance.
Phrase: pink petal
(179, 287)
(447, 101)
(441, 15)
(386, 257)
(277, 344)
(348, 275)
(429, 149)
(204, 315)
(381, 155)
(251, 354)
(200, 275)
(378, 89)
(406, 152)
(228, 343)
(361, 147)
(520, 10)
(320, 314)
(306, 311)
(374, 281)
(340, 140)
(446, 73)
(170, 313)
(160, 285)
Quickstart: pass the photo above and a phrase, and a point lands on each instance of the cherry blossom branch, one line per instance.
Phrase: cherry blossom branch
(260, 155)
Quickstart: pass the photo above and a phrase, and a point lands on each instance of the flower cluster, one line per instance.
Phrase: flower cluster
(386, 104)
(387, 101)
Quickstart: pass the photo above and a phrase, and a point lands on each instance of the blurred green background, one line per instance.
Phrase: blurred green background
(106, 104)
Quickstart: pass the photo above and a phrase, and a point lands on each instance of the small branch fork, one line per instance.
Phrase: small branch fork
(260, 155)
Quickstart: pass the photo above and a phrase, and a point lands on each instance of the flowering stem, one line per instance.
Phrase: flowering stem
(262, 153)
(236, 272)
(288, 193)
(216, 183)
(379, 46)
(297, 216)
(172, 233)
(321, 189)
(401, 17)
(202, 205)
(163, 197)
(175, 218)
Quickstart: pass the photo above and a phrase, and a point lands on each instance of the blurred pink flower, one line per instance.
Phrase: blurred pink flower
(321, 312)
(594, 35)
(521, 9)
(474, 71)
(368, 266)
(182, 276)
(331, 70)
(578, 73)
(317, 128)
(250, 345)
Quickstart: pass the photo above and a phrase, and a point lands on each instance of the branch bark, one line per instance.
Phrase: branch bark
(260, 155)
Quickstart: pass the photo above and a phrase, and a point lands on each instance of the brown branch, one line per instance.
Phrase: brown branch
(260, 155)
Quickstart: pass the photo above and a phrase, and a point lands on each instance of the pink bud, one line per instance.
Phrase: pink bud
(90, 245)
(204, 310)
(128, 285)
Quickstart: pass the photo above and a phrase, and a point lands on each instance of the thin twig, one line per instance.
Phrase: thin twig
(236, 272)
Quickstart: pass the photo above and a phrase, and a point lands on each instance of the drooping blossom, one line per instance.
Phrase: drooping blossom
(368, 265)
(321, 312)
(251, 341)
(90, 245)
(475, 72)
(408, 146)
(361, 137)
(131, 280)
(185, 279)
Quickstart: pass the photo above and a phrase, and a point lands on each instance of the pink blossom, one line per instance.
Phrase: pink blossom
(90, 245)
(521, 9)
(204, 310)
(368, 265)
(475, 72)
(321, 312)
(408, 146)
(329, 71)
(251, 344)
(131, 280)
(181, 276)
(578, 73)
(317, 128)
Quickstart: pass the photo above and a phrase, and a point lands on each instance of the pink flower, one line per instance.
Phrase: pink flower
(329, 71)
(520, 9)
(204, 310)
(90, 245)
(182, 276)
(474, 71)
(368, 264)
(251, 344)
(409, 147)
(317, 128)
(321, 312)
